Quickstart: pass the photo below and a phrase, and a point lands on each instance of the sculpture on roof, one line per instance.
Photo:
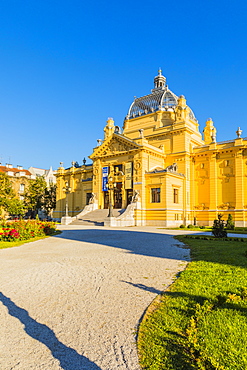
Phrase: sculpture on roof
(109, 128)
(172, 168)
(209, 131)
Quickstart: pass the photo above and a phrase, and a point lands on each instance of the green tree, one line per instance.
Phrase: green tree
(15, 207)
(6, 189)
(34, 195)
(8, 201)
(49, 202)
(229, 223)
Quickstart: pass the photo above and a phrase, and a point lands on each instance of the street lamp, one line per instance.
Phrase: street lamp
(110, 186)
(67, 189)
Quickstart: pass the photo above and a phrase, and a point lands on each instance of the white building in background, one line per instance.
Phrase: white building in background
(49, 175)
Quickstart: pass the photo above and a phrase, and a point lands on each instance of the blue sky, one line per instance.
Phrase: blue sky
(66, 66)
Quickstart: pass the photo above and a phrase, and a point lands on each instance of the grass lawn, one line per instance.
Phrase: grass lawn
(201, 321)
(4, 245)
(207, 229)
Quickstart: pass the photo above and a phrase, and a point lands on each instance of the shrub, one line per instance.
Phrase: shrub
(182, 226)
(9, 235)
(24, 230)
(190, 226)
(202, 227)
(229, 223)
(218, 229)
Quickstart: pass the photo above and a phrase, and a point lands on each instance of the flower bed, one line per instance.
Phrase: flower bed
(24, 230)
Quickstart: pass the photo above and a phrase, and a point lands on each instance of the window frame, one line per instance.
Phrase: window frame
(175, 195)
(22, 188)
(155, 195)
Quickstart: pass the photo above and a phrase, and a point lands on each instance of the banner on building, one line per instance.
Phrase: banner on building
(128, 176)
(105, 171)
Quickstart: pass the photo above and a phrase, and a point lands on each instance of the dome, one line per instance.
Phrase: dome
(158, 100)
(161, 98)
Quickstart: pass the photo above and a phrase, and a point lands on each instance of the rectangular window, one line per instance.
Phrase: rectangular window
(175, 195)
(155, 195)
(22, 187)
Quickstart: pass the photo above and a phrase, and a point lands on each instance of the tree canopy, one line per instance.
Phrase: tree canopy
(49, 202)
(8, 200)
(34, 195)
(39, 196)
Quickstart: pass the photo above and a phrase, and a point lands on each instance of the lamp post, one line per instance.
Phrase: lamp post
(110, 186)
(67, 190)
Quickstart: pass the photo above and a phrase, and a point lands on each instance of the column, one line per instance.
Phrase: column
(213, 187)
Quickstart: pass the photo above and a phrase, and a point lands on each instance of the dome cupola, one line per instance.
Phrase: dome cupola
(159, 81)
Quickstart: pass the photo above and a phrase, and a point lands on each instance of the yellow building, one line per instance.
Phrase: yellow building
(160, 157)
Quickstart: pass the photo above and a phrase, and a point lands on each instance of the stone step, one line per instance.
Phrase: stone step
(96, 217)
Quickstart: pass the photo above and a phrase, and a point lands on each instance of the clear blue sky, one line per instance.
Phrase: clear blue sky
(66, 66)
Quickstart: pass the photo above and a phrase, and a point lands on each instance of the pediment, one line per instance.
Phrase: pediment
(114, 145)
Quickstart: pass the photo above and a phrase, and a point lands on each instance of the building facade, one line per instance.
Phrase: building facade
(19, 178)
(179, 176)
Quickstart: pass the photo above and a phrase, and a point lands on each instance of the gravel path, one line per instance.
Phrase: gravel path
(73, 301)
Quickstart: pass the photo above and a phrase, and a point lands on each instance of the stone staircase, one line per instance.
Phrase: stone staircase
(96, 217)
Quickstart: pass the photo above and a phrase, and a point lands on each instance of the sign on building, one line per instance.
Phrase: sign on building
(128, 175)
(105, 171)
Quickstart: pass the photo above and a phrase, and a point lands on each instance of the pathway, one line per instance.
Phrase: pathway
(73, 301)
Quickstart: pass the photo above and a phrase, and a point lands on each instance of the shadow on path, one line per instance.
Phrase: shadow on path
(144, 287)
(69, 359)
(143, 243)
(148, 243)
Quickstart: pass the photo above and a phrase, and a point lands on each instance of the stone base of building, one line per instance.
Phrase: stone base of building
(66, 220)
(125, 219)
(163, 223)
(240, 223)
(115, 222)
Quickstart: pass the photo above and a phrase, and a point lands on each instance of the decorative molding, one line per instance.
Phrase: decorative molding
(225, 206)
(137, 165)
(201, 207)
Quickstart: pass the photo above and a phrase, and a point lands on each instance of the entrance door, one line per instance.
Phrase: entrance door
(106, 199)
(88, 196)
(118, 195)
